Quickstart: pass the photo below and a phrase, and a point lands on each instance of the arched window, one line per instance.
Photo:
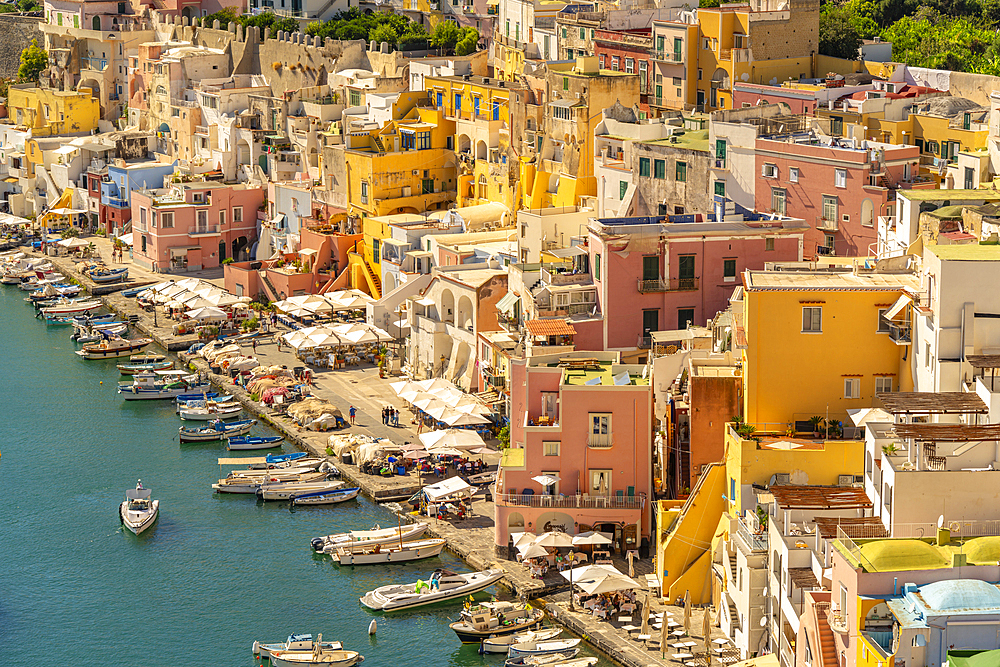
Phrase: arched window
(160, 90)
(482, 186)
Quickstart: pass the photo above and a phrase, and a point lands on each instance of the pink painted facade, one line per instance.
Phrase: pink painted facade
(583, 499)
(661, 276)
(840, 191)
(798, 101)
(194, 226)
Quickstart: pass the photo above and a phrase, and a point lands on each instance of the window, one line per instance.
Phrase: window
(237, 214)
(423, 140)
(852, 387)
(562, 113)
(614, 63)
(563, 32)
(222, 218)
(622, 189)
(729, 270)
(769, 171)
(550, 448)
(768, 244)
(836, 126)
(830, 208)
(778, 201)
(685, 316)
(565, 83)
(407, 141)
(355, 98)
(427, 186)
(840, 178)
(630, 65)
(883, 385)
(699, 74)
(882, 323)
(812, 319)
(720, 188)
(659, 169)
(793, 175)
(167, 220)
(364, 192)
(600, 429)
(597, 266)
(681, 172)
(720, 153)
(600, 63)
(644, 166)
(142, 219)
(202, 218)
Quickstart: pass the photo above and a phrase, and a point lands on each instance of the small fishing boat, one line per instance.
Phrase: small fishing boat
(113, 348)
(99, 333)
(443, 585)
(559, 659)
(212, 410)
(296, 642)
(204, 396)
(73, 308)
(376, 535)
(535, 647)
(325, 497)
(132, 369)
(103, 275)
(243, 442)
(159, 385)
(495, 619)
(217, 431)
(146, 358)
(287, 490)
(317, 655)
(290, 456)
(246, 484)
(389, 553)
(137, 511)
(133, 291)
(503, 643)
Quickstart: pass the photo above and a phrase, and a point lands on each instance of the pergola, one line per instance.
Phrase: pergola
(922, 403)
(982, 362)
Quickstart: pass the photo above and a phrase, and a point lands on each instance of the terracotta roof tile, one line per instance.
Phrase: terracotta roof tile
(552, 326)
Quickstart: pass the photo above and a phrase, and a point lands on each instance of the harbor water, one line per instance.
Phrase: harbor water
(214, 574)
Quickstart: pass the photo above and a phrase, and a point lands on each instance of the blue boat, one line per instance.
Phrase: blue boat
(184, 398)
(103, 275)
(216, 431)
(134, 291)
(282, 458)
(325, 497)
(244, 442)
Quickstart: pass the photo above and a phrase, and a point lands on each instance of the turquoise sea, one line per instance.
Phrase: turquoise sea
(215, 573)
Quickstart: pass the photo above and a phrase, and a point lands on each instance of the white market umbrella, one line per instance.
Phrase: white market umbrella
(428, 402)
(223, 299)
(534, 551)
(207, 313)
(592, 537)
(74, 243)
(434, 385)
(547, 481)
(586, 572)
(452, 437)
(522, 538)
(554, 539)
(608, 583)
(445, 451)
(453, 417)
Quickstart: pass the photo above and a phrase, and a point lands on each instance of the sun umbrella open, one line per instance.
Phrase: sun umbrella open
(547, 481)
(453, 417)
(74, 243)
(533, 551)
(207, 313)
(452, 437)
(608, 583)
(592, 537)
(522, 538)
(588, 572)
(554, 539)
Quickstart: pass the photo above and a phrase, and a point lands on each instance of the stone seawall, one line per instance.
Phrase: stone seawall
(16, 33)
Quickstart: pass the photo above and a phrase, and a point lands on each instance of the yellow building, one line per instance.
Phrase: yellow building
(49, 112)
(813, 344)
(481, 110)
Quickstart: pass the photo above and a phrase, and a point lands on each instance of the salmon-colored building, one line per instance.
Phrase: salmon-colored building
(586, 424)
(193, 226)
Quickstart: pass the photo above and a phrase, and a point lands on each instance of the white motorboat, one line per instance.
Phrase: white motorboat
(317, 655)
(376, 535)
(389, 553)
(161, 384)
(550, 660)
(287, 490)
(138, 511)
(113, 348)
(250, 484)
(325, 498)
(73, 308)
(503, 643)
(535, 647)
(442, 585)
(295, 642)
(211, 411)
(492, 619)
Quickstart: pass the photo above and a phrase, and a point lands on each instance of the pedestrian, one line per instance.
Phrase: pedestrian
(420, 425)
(395, 417)
(353, 411)
(255, 346)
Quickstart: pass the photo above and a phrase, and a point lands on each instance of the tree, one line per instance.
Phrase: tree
(384, 33)
(33, 60)
(446, 34)
(468, 42)
(224, 16)
(838, 37)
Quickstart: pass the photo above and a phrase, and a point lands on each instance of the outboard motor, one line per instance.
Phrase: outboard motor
(317, 543)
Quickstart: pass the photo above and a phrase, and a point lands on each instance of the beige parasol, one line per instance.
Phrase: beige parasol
(645, 616)
(664, 635)
(706, 631)
(687, 612)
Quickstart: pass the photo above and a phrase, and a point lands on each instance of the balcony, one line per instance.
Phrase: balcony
(204, 230)
(201, 129)
(668, 285)
(735, 55)
(720, 163)
(827, 224)
(599, 441)
(667, 56)
(838, 620)
(541, 420)
(900, 334)
(752, 535)
(573, 502)
(117, 202)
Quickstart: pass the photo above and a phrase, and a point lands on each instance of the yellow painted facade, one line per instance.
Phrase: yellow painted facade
(790, 374)
(52, 112)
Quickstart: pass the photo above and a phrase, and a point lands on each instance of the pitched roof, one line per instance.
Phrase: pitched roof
(550, 326)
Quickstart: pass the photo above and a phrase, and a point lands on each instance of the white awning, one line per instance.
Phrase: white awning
(572, 251)
(898, 308)
(456, 487)
(507, 302)
(425, 302)
(66, 150)
(126, 239)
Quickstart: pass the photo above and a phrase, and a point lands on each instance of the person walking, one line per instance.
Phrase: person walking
(255, 346)
(395, 417)
(353, 411)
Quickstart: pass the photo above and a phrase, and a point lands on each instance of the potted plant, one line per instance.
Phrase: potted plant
(890, 449)
(381, 367)
(817, 423)
(835, 428)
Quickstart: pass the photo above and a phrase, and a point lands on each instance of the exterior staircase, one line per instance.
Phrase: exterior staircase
(374, 284)
(379, 146)
(269, 291)
(828, 647)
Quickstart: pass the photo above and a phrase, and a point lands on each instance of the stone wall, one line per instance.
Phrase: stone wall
(18, 31)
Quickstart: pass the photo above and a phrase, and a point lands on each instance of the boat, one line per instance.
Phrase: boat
(158, 385)
(95, 335)
(146, 358)
(290, 456)
(287, 490)
(376, 535)
(295, 642)
(216, 431)
(535, 647)
(242, 442)
(106, 275)
(325, 497)
(502, 643)
(132, 369)
(204, 396)
(113, 348)
(203, 399)
(317, 655)
(389, 553)
(212, 410)
(560, 659)
(134, 291)
(137, 511)
(73, 308)
(248, 485)
(495, 619)
(450, 586)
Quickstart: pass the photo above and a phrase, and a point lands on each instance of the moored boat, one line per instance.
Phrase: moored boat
(216, 431)
(442, 585)
(325, 497)
(132, 369)
(317, 656)
(247, 484)
(159, 385)
(146, 358)
(138, 511)
(236, 443)
(294, 642)
(376, 535)
(212, 410)
(106, 275)
(502, 643)
(72, 308)
(113, 348)
(535, 647)
(389, 553)
(289, 456)
(561, 659)
(495, 619)
(287, 490)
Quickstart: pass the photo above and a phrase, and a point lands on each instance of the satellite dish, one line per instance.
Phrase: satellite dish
(763, 621)
(940, 521)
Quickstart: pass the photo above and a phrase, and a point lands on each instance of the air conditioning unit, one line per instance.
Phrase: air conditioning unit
(850, 480)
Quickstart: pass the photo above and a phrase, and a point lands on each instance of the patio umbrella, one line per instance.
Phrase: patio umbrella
(415, 454)
(645, 615)
(592, 537)
(453, 417)
(522, 538)
(434, 385)
(428, 402)
(706, 632)
(403, 385)
(207, 313)
(445, 451)
(223, 299)
(190, 283)
(631, 567)
(664, 635)
(533, 551)
(687, 612)
(74, 243)
(547, 481)
(452, 437)
(484, 450)
(608, 583)
(554, 539)
(586, 572)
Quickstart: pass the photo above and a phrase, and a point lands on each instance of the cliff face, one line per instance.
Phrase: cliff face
(16, 33)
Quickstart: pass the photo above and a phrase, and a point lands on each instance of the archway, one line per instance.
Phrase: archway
(447, 306)
(483, 188)
(388, 282)
(243, 151)
(481, 150)
(240, 249)
(187, 13)
(868, 213)
(313, 157)
(464, 316)
(515, 519)
(97, 23)
(95, 87)
(464, 144)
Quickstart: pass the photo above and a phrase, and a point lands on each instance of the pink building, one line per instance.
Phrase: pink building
(194, 226)
(588, 425)
(662, 273)
(838, 186)
(799, 101)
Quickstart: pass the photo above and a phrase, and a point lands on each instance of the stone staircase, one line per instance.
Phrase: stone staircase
(827, 645)
(269, 290)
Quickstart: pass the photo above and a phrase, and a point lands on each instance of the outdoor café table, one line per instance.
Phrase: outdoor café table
(690, 644)
(630, 628)
(644, 638)
(678, 633)
(681, 656)
(624, 619)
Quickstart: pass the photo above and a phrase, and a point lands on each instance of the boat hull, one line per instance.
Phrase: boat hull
(503, 643)
(368, 538)
(304, 659)
(332, 498)
(468, 634)
(200, 435)
(114, 351)
(198, 415)
(239, 443)
(410, 552)
(542, 648)
(288, 491)
(379, 602)
(137, 522)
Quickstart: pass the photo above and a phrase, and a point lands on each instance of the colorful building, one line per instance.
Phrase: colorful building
(47, 112)
(117, 185)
